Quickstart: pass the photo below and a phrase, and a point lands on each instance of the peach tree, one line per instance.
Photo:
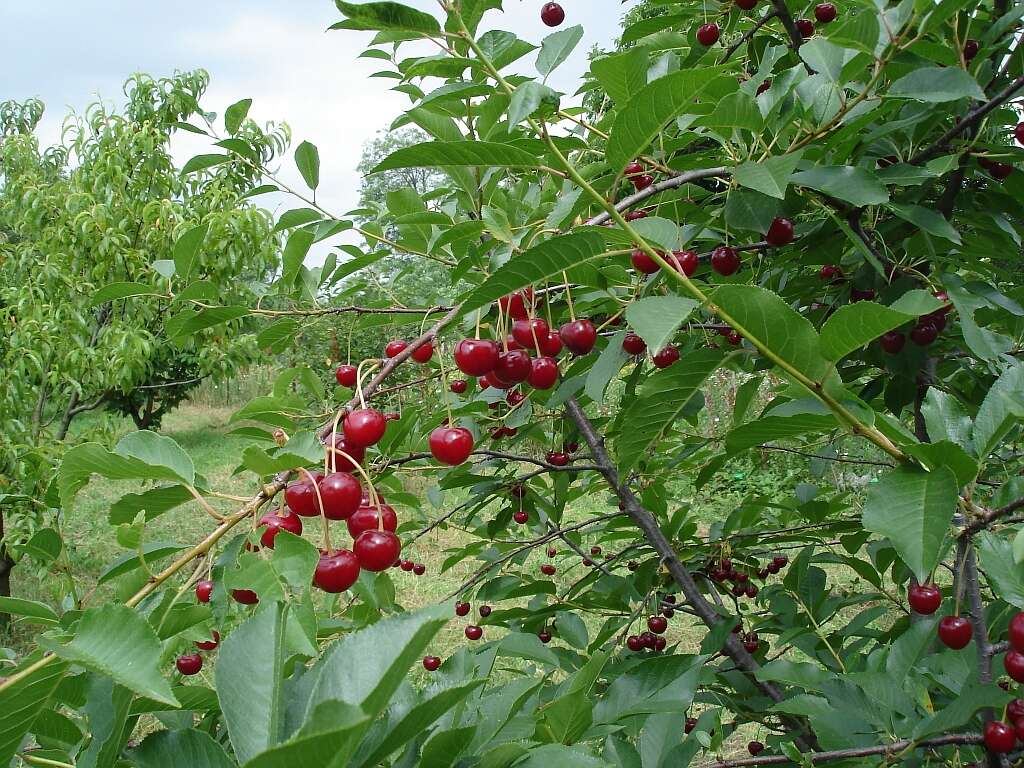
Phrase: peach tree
(818, 215)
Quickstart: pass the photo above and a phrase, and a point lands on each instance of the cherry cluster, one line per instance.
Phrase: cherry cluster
(742, 586)
(653, 639)
(824, 13)
(191, 663)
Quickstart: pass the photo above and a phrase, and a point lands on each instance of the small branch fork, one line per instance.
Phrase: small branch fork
(747, 35)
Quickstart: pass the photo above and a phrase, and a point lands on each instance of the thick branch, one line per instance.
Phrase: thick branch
(795, 38)
(990, 517)
(747, 35)
(952, 739)
(672, 183)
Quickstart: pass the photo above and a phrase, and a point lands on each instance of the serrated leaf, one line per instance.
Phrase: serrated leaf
(31, 609)
(937, 84)
(930, 221)
(116, 291)
(457, 153)
(612, 358)
(621, 74)
(23, 701)
(173, 749)
(556, 48)
(854, 185)
(770, 176)
(158, 451)
(386, 16)
(527, 97)
(854, 325)
(657, 318)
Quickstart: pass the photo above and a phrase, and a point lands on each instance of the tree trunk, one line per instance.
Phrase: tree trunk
(6, 566)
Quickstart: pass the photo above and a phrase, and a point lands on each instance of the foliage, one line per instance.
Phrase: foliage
(883, 332)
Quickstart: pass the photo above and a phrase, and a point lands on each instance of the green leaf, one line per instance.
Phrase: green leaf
(854, 325)
(154, 502)
(995, 556)
(854, 185)
(559, 755)
(30, 609)
(737, 110)
(115, 641)
(768, 428)
(658, 684)
(328, 738)
(556, 48)
(186, 250)
(659, 402)
(987, 344)
(386, 16)
(173, 749)
(961, 709)
(770, 176)
(572, 629)
(913, 509)
(235, 114)
(202, 162)
(116, 291)
(657, 318)
(457, 153)
(129, 561)
(23, 701)
(930, 221)
(82, 461)
(294, 254)
(621, 74)
(158, 451)
(307, 160)
(612, 358)
(826, 57)
(1000, 411)
(249, 680)
(547, 259)
(189, 322)
(749, 210)
(937, 84)
(526, 645)
(946, 419)
(295, 560)
(647, 112)
(789, 335)
(527, 97)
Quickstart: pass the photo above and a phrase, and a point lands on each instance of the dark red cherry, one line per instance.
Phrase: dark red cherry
(301, 498)
(394, 347)
(633, 643)
(515, 303)
(552, 345)
(1015, 709)
(552, 552)
(780, 232)
(1000, 737)
(955, 632)
(189, 664)
(579, 336)
(708, 34)
(485, 611)
(657, 624)
(209, 645)
(552, 14)
(419, 569)
(643, 181)
(341, 494)
(648, 640)
(547, 569)
(337, 572)
(521, 516)
(924, 598)
(830, 273)
(1015, 635)
(862, 294)
(364, 427)
(1013, 663)
(724, 260)
(1000, 170)
(431, 663)
(476, 357)
(245, 596)
(342, 449)
(970, 49)
(451, 445)
(643, 263)
(892, 342)
(346, 375)
(755, 748)
(273, 523)
(825, 13)
(558, 458)
(462, 608)
(746, 5)
(633, 169)
(423, 353)
(543, 373)
(474, 632)
(529, 332)
(689, 724)
(458, 386)
(514, 398)
(1018, 133)
(683, 261)
(513, 366)
(666, 357)
(366, 516)
(806, 27)
(204, 589)
(633, 344)
(544, 636)
(376, 550)
(924, 333)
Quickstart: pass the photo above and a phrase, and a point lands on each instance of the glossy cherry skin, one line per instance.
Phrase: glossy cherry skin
(666, 357)
(684, 261)
(924, 334)
(209, 645)
(364, 427)
(547, 569)
(529, 332)
(825, 13)
(552, 345)
(245, 596)
(423, 353)
(633, 169)
(273, 523)
(485, 611)
(189, 664)
(515, 303)
(341, 450)
(301, 498)
(474, 632)
(755, 748)
(431, 663)
(491, 380)
(394, 347)
(689, 724)
(924, 598)
(806, 27)
(955, 632)
(341, 493)
(1018, 133)
(462, 608)
(746, 5)
(829, 273)
(558, 458)
(643, 263)
(1013, 663)
(1000, 170)
(336, 572)
(579, 336)
(346, 375)
(657, 624)
(204, 589)
(552, 14)
(595, 550)
(633, 643)
(366, 516)
(780, 232)
(521, 516)
(513, 366)
(544, 636)
(1015, 635)
(708, 34)
(634, 344)
(892, 342)
(476, 357)
(451, 445)
(543, 373)
(724, 260)
(514, 398)
(406, 565)
(970, 49)
(999, 737)
(376, 550)
(458, 386)
(643, 181)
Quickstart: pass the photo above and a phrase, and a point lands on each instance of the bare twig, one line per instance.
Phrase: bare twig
(953, 739)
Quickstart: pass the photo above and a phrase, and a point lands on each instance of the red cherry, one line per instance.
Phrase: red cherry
(376, 550)
(513, 366)
(337, 572)
(825, 13)
(633, 643)
(552, 14)
(273, 523)
(708, 34)
(485, 611)
(1000, 170)
(633, 344)
(892, 342)
(209, 645)
(1018, 133)
(806, 27)
(451, 445)
(394, 347)
(245, 596)
(780, 232)
(746, 5)
(341, 494)
(724, 260)
(346, 447)
(689, 724)
(405, 565)
(1013, 663)
(366, 516)
(514, 398)
(462, 608)
(544, 636)
(552, 345)
(300, 496)
(547, 569)
(476, 357)
(924, 333)
(364, 427)
(1015, 709)
(955, 632)
(492, 380)
(515, 303)
(392, 416)
(642, 182)
(633, 169)
(1016, 635)
(648, 640)
(862, 294)
(189, 664)
(552, 552)
(1000, 737)
(924, 598)
(829, 273)
(423, 353)
(431, 663)
(643, 263)
(683, 261)
(558, 458)
(666, 357)
(458, 386)
(204, 589)
(474, 632)
(657, 624)
(755, 748)
(579, 336)
(346, 375)
(521, 516)
(527, 331)
(543, 373)
(419, 569)
(970, 49)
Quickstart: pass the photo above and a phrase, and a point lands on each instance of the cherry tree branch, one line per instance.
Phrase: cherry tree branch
(671, 183)
(747, 35)
(952, 739)
(985, 520)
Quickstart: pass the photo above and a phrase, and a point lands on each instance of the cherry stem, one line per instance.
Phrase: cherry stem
(530, 314)
(568, 296)
(359, 378)
(334, 438)
(444, 381)
(323, 513)
(369, 485)
(477, 335)
(501, 327)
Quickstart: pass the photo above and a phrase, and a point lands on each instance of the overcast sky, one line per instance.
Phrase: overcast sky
(277, 53)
